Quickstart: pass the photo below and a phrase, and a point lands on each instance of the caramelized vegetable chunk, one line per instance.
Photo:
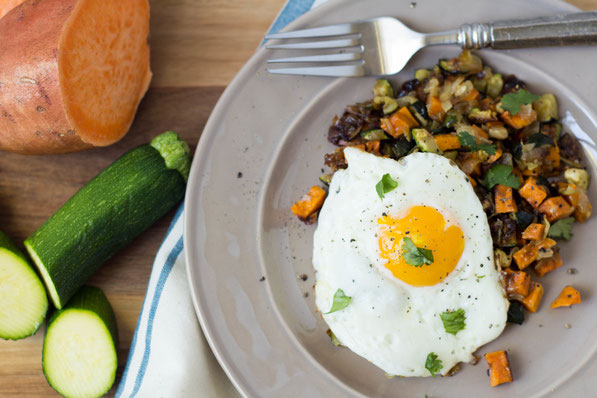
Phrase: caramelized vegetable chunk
(532, 192)
(526, 255)
(534, 232)
(568, 297)
(579, 200)
(447, 142)
(401, 122)
(555, 208)
(518, 284)
(499, 368)
(309, 203)
(533, 299)
(519, 120)
(434, 107)
(504, 200)
(549, 264)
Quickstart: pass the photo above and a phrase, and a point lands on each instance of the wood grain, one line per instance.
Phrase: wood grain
(197, 48)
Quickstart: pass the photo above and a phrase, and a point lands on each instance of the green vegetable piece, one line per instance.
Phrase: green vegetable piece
(516, 313)
(385, 185)
(415, 256)
(334, 339)
(501, 174)
(540, 139)
(524, 219)
(467, 140)
(383, 88)
(495, 85)
(340, 302)
(374, 135)
(176, 152)
(454, 321)
(425, 141)
(326, 178)
(512, 102)
(546, 108)
(432, 364)
(422, 74)
(561, 229)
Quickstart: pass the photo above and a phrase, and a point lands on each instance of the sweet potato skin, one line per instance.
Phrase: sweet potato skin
(32, 118)
(7, 5)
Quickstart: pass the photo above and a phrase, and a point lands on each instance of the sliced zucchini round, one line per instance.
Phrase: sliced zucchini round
(79, 352)
(23, 300)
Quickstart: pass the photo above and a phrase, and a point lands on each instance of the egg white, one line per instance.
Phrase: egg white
(390, 323)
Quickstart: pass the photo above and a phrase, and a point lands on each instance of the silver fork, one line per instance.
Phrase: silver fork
(384, 45)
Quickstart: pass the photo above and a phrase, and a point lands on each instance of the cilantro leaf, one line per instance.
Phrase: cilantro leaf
(561, 229)
(415, 256)
(540, 139)
(467, 140)
(454, 321)
(341, 301)
(432, 364)
(501, 174)
(385, 185)
(512, 102)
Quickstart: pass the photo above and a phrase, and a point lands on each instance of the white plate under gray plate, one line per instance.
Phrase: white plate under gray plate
(272, 129)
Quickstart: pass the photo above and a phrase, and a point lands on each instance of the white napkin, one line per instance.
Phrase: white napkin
(169, 356)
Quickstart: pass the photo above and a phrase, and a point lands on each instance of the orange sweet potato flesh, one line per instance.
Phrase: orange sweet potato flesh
(533, 299)
(504, 200)
(72, 73)
(447, 142)
(534, 231)
(309, 203)
(7, 5)
(567, 297)
(499, 368)
(555, 209)
(549, 264)
(532, 192)
(518, 284)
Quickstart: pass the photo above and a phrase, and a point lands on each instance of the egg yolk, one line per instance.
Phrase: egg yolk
(425, 226)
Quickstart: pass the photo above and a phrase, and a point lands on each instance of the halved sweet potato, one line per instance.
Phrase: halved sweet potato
(72, 73)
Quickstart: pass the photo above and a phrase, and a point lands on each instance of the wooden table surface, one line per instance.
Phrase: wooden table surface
(197, 46)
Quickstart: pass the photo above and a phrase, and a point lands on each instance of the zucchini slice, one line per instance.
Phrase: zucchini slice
(79, 353)
(23, 300)
(106, 214)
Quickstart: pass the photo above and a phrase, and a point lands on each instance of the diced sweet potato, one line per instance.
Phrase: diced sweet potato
(534, 231)
(447, 142)
(549, 264)
(526, 255)
(499, 368)
(434, 107)
(72, 73)
(555, 208)
(400, 122)
(519, 120)
(546, 243)
(517, 284)
(532, 192)
(504, 199)
(533, 299)
(498, 154)
(309, 203)
(567, 297)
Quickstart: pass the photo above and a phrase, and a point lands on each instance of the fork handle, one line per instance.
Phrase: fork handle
(560, 30)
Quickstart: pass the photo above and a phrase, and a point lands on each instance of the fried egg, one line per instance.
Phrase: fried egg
(394, 315)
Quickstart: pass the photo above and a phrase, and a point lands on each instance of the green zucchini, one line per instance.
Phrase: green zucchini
(23, 300)
(79, 354)
(425, 141)
(109, 212)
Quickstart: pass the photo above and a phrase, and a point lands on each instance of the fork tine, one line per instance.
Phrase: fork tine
(332, 30)
(341, 70)
(319, 58)
(316, 44)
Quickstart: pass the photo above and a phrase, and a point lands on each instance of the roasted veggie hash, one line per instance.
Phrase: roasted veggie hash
(526, 170)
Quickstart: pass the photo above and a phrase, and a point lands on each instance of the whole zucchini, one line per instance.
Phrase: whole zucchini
(109, 212)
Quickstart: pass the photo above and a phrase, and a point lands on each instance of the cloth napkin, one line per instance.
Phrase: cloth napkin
(169, 356)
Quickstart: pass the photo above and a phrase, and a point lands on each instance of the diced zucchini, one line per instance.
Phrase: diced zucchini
(452, 118)
(326, 178)
(480, 80)
(546, 107)
(419, 109)
(578, 177)
(516, 313)
(374, 135)
(399, 148)
(452, 155)
(23, 300)
(465, 62)
(383, 88)
(478, 116)
(425, 141)
(79, 353)
(422, 74)
(389, 104)
(495, 84)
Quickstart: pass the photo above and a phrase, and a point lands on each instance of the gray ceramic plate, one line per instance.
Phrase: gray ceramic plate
(272, 129)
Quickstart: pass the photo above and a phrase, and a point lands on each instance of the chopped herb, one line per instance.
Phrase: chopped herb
(561, 229)
(501, 174)
(540, 139)
(432, 364)
(454, 321)
(467, 140)
(512, 102)
(479, 276)
(385, 185)
(415, 256)
(341, 301)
